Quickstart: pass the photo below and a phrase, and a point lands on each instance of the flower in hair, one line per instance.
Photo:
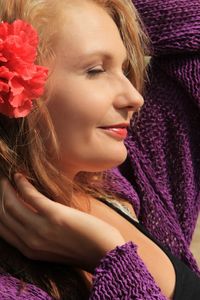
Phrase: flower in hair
(21, 80)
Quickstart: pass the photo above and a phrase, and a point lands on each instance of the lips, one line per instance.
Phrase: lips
(118, 131)
(122, 125)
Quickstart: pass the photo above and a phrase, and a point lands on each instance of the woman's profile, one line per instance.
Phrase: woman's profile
(72, 75)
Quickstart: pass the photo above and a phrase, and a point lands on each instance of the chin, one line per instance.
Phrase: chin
(106, 163)
(119, 156)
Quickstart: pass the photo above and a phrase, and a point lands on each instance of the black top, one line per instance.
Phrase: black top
(187, 285)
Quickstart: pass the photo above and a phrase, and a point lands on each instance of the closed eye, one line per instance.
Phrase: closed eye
(95, 72)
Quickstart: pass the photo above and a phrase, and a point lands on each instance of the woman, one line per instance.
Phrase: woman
(71, 128)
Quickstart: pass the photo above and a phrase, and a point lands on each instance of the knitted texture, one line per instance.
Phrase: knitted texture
(12, 289)
(167, 137)
(173, 25)
(161, 176)
(124, 271)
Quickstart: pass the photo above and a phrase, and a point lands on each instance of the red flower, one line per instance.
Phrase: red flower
(21, 80)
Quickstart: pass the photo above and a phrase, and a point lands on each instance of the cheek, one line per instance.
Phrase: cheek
(80, 140)
(82, 101)
(73, 121)
(78, 108)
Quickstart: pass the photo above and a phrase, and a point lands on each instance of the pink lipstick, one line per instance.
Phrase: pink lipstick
(119, 130)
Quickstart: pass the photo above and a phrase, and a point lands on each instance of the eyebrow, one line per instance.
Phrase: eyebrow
(106, 55)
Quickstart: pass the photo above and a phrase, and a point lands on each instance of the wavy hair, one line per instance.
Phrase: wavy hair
(22, 146)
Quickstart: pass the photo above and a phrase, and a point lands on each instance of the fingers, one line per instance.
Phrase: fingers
(11, 223)
(31, 196)
(11, 205)
(43, 205)
(33, 201)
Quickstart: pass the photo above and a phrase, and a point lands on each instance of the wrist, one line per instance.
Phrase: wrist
(109, 243)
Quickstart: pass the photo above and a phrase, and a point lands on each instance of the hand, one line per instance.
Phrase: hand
(45, 230)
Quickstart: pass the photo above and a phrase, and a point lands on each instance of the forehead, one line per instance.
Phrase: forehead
(87, 28)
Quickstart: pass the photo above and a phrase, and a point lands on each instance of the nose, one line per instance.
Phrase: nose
(128, 98)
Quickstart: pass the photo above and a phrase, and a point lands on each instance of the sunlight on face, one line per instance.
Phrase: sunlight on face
(91, 91)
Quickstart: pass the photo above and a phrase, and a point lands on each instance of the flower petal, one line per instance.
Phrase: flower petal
(21, 80)
(22, 111)
(4, 87)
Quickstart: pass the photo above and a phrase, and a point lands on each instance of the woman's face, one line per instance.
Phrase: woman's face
(90, 91)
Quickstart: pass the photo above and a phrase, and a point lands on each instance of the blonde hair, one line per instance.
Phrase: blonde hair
(22, 148)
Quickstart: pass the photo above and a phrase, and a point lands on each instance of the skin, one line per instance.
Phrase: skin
(45, 230)
(90, 90)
